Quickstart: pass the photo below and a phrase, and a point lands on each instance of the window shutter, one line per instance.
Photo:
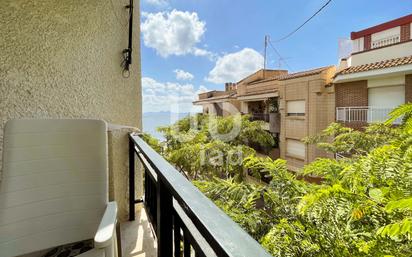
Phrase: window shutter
(295, 106)
(295, 148)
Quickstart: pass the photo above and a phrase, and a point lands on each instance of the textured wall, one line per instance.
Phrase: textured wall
(405, 32)
(119, 170)
(351, 94)
(320, 109)
(62, 59)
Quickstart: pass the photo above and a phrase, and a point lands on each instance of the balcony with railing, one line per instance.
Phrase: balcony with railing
(184, 221)
(390, 40)
(259, 116)
(364, 114)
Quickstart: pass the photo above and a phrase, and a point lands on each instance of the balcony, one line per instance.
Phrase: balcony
(184, 221)
(364, 114)
(259, 116)
(390, 40)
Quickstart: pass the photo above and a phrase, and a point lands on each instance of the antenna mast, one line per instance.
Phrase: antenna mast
(265, 52)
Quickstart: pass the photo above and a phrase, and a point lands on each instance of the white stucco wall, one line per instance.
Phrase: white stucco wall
(410, 27)
(396, 31)
(386, 81)
(385, 53)
(357, 45)
(61, 59)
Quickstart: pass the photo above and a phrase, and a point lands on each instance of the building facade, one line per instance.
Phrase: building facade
(364, 88)
(293, 106)
(377, 76)
(221, 103)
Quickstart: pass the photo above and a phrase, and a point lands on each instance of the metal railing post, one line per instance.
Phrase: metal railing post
(370, 110)
(177, 236)
(131, 181)
(164, 220)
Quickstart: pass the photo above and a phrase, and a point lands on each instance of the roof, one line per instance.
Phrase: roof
(377, 65)
(259, 75)
(303, 73)
(381, 27)
(299, 74)
(231, 95)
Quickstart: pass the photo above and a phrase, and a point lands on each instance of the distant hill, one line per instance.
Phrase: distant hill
(165, 113)
(153, 120)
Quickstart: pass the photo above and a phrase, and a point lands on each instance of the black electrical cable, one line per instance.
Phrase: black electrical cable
(303, 24)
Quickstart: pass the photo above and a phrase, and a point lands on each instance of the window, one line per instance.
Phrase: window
(295, 148)
(385, 97)
(295, 108)
(382, 100)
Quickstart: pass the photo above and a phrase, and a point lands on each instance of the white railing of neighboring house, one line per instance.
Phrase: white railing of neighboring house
(364, 114)
(386, 41)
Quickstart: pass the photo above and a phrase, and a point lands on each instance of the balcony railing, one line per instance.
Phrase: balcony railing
(259, 116)
(186, 222)
(386, 41)
(365, 114)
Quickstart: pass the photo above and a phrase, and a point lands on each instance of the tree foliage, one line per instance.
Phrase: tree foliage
(362, 207)
(153, 142)
(202, 146)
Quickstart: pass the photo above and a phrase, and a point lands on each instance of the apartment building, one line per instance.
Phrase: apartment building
(375, 78)
(292, 105)
(221, 103)
(377, 75)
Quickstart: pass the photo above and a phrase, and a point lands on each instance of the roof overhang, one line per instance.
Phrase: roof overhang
(211, 101)
(258, 97)
(381, 27)
(391, 71)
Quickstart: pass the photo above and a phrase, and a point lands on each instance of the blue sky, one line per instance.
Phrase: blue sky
(189, 46)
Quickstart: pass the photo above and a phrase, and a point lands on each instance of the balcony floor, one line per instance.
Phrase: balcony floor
(137, 237)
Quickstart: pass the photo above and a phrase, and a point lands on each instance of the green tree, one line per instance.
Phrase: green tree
(153, 142)
(363, 206)
(195, 144)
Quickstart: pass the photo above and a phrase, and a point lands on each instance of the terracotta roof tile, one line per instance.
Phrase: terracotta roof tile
(377, 65)
(228, 96)
(297, 74)
(302, 73)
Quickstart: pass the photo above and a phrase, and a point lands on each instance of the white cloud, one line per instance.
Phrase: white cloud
(174, 33)
(183, 75)
(202, 52)
(235, 66)
(158, 3)
(167, 96)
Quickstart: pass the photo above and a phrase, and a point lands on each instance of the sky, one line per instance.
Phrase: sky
(193, 46)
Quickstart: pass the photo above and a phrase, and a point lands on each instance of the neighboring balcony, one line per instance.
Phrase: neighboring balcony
(364, 114)
(260, 116)
(272, 121)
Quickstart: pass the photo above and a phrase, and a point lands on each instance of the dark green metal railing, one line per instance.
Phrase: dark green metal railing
(183, 218)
